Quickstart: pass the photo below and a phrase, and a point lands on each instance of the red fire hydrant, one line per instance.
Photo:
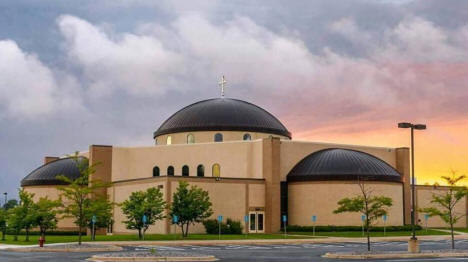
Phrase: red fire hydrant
(41, 241)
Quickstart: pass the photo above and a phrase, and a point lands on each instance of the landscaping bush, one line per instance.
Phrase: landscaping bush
(49, 233)
(294, 228)
(228, 227)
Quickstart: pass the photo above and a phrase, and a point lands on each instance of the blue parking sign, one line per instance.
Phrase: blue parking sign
(246, 218)
(285, 218)
(220, 218)
(363, 218)
(144, 219)
(314, 218)
(94, 219)
(384, 217)
(175, 218)
(426, 217)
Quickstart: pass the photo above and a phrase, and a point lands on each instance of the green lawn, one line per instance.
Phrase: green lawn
(373, 234)
(461, 229)
(155, 237)
(158, 237)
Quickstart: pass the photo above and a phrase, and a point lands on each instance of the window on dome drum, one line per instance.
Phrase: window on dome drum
(200, 170)
(185, 170)
(247, 137)
(170, 171)
(156, 171)
(156, 141)
(169, 140)
(190, 139)
(218, 137)
(216, 170)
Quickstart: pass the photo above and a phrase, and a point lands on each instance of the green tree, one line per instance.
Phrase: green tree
(3, 222)
(46, 214)
(140, 203)
(10, 204)
(78, 194)
(191, 205)
(444, 204)
(15, 220)
(372, 207)
(102, 209)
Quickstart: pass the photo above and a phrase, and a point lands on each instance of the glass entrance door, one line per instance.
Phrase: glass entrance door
(256, 221)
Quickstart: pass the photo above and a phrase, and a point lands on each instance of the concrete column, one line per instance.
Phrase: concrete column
(271, 174)
(101, 157)
(403, 167)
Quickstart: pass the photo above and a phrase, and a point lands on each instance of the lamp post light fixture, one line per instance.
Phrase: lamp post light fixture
(413, 241)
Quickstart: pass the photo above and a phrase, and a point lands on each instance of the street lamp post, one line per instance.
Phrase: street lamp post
(413, 246)
(4, 206)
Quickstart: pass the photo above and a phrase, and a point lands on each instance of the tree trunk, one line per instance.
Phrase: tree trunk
(186, 230)
(16, 235)
(27, 234)
(79, 235)
(139, 234)
(3, 234)
(182, 229)
(453, 238)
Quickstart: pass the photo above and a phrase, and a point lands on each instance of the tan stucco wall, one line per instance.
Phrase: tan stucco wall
(53, 194)
(241, 159)
(294, 151)
(121, 192)
(423, 200)
(208, 136)
(306, 199)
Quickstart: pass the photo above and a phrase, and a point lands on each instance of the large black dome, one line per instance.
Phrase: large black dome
(47, 173)
(342, 164)
(222, 114)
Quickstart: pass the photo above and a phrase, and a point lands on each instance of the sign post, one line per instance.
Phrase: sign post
(246, 220)
(384, 217)
(285, 219)
(144, 219)
(426, 217)
(93, 233)
(314, 220)
(175, 220)
(363, 218)
(220, 219)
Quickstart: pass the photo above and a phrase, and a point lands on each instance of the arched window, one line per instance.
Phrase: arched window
(156, 141)
(156, 171)
(200, 170)
(247, 136)
(218, 137)
(169, 140)
(216, 170)
(190, 139)
(185, 170)
(170, 171)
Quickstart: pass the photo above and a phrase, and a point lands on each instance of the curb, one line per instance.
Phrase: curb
(98, 258)
(395, 255)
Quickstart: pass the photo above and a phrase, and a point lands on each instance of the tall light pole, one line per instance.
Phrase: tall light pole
(413, 205)
(4, 206)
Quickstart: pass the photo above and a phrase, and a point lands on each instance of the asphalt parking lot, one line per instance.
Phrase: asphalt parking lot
(299, 252)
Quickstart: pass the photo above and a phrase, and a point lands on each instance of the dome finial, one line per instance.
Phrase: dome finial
(222, 84)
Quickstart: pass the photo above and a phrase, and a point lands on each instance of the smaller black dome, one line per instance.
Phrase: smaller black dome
(342, 164)
(47, 173)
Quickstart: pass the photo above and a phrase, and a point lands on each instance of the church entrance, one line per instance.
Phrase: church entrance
(256, 221)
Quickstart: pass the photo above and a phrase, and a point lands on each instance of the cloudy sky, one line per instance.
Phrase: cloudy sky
(75, 73)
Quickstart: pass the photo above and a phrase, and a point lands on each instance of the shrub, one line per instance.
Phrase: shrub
(228, 227)
(330, 228)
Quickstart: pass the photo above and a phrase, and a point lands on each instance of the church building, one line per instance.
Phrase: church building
(250, 165)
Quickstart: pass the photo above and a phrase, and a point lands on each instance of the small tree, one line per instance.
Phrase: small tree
(190, 206)
(149, 203)
(3, 222)
(79, 193)
(444, 204)
(22, 215)
(15, 220)
(372, 207)
(102, 209)
(46, 214)
(10, 204)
